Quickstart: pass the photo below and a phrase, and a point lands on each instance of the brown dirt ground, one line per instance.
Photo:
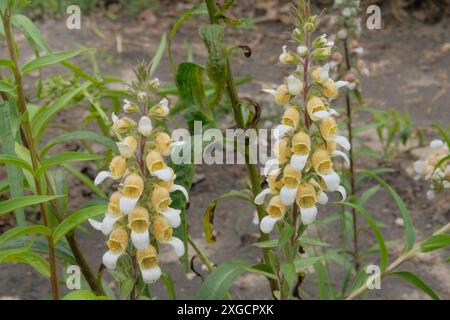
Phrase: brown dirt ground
(409, 64)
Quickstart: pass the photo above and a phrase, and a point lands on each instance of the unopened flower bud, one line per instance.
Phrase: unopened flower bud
(142, 96)
(123, 125)
(145, 126)
(129, 107)
(302, 51)
(161, 109)
(322, 53)
(309, 27)
(329, 88)
(163, 143)
(287, 57)
(154, 84)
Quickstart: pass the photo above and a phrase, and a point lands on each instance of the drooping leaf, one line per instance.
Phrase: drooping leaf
(410, 233)
(416, 281)
(220, 280)
(36, 261)
(22, 202)
(75, 219)
(21, 231)
(13, 160)
(64, 158)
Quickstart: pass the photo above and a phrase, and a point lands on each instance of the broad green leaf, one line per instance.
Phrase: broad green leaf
(49, 59)
(21, 231)
(372, 223)
(214, 40)
(190, 83)
(13, 160)
(83, 295)
(303, 263)
(416, 281)
(410, 233)
(45, 114)
(36, 261)
(220, 280)
(27, 27)
(75, 219)
(290, 273)
(81, 135)
(15, 175)
(64, 158)
(262, 269)
(435, 242)
(22, 202)
(208, 218)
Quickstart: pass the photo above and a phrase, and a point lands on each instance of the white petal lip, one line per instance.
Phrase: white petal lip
(177, 245)
(255, 219)
(141, 240)
(108, 222)
(271, 166)
(287, 195)
(173, 217)
(270, 91)
(342, 141)
(419, 166)
(124, 149)
(338, 153)
(127, 204)
(341, 83)
(145, 126)
(436, 144)
(332, 180)
(259, 199)
(308, 215)
(151, 275)
(343, 192)
(97, 225)
(281, 130)
(177, 187)
(114, 118)
(324, 72)
(267, 223)
(109, 259)
(165, 174)
(298, 162)
(320, 115)
(101, 176)
(322, 198)
(165, 105)
(294, 85)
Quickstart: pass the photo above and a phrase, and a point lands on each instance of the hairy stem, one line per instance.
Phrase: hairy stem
(394, 265)
(239, 119)
(352, 166)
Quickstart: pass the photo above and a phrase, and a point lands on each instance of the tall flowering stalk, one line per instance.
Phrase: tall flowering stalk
(307, 141)
(349, 66)
(139, 216)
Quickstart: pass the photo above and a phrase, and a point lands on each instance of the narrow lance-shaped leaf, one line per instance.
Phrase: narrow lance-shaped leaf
(64, 158)
(22, 202)
(416, 281)
(49, 59)
(21, 231)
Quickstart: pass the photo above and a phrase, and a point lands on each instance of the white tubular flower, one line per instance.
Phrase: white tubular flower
(129, 107)
(145, 126)
(117, 169)
(291, 180)
(157, 167)
(322, 198)
(286, 57)
(148, 264)
(338, 153)
(276, 210)
(328, 129)
(295, 85)
(160, 199)
(317, 110)
(281, 130)
(173, 217)
(161, 109)
(301, 146)
(324, 168)
(138, 222)
(343, 192)
(306, 200)
(162, 231)
(260, 198)
(112, 215)
(132, 191)
(127, 147)
(117, 244)
(271, 166)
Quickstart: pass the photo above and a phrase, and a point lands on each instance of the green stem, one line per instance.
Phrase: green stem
(394, 265)
(351, 158)
(239, 119)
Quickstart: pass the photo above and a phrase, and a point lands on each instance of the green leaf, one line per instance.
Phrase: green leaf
(15, 175)
(267, 244)
(208, 218)
(373, 225)
(83, 295)
(84, 179)
(36, 261)
(64, 158)
(20, 231)
(81, 135)
(45, 114)
(307, 241)
(410, 233)
(158, 54)
(416, 281)
(168, 283)
(7, 87)
(435, 242)
(7, 63)
(303, 263)
(27, 27)
(190, 84)
(22, 202)
(220, 280)
(49, 59)
(262, 269)
(196, 10)
(15, 161)
(126, 287)
(76, 218)
(290, 273)
(214, 40)
(443, 133)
